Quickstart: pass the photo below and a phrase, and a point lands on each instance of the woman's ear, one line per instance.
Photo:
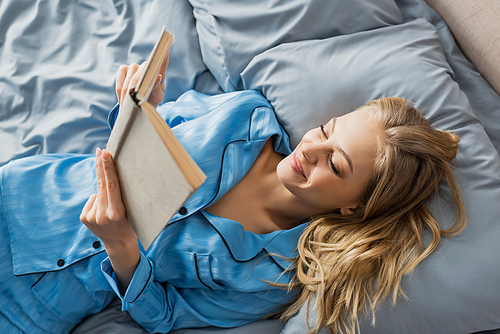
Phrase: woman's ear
(350, 210)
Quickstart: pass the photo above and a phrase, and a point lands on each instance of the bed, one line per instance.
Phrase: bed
(312, 60)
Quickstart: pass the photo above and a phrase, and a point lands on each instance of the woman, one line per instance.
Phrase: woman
(348, 264)
(217, 260)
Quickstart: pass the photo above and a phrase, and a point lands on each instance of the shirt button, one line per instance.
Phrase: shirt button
(60, 262)
(183, 211)
(96, 244)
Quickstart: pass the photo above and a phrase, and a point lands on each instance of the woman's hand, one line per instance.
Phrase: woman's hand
(128, 76)
(104, 214)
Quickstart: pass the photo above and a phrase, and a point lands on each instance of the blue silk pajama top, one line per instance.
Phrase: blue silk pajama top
(203, 270)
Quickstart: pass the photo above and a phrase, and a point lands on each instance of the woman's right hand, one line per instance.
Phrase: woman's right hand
(128, 76)
(104, 215)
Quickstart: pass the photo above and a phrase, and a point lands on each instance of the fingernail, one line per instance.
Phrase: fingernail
(98, 152)
(105, 155)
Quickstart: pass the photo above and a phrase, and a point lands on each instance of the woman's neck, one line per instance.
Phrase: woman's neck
(278, 204)
(259, 201)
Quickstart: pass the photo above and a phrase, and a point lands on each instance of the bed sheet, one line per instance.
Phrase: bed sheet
(58, 65)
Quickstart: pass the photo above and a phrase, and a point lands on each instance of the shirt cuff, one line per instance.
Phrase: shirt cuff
(112, 115)
(142, 276)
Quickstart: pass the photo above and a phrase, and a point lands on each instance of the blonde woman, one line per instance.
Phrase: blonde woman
(349, 263)
(217, 260)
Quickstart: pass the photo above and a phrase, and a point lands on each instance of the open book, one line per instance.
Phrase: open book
(156, 173)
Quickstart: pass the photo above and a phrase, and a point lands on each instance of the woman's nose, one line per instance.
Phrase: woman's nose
(312, 151)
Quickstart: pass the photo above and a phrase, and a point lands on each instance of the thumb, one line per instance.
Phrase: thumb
(159, 79)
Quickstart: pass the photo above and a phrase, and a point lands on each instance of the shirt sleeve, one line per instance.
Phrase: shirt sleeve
(161, 307)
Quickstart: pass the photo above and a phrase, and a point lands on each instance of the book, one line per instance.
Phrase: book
(156, 173)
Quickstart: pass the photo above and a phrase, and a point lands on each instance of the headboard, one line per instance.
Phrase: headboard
(476, 27)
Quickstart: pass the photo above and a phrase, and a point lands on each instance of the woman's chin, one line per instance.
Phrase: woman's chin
(284, 171)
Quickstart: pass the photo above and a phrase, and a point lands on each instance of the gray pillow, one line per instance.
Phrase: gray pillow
(186, 69)
(185, 63)
(233, 32)
(455, 290)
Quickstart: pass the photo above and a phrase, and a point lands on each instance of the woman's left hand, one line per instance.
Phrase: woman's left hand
(104, 214)
(128, 76)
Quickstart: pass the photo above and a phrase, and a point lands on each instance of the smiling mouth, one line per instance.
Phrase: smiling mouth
(297, 165)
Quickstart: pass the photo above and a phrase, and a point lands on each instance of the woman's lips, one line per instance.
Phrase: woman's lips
(296, 164)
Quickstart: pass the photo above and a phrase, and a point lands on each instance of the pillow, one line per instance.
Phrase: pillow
(455, 290)
(185, 62)
(308, 82)
(233, 32)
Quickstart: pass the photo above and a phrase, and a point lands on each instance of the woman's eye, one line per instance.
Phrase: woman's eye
(322, 127)
(330, 161)
(332, 166)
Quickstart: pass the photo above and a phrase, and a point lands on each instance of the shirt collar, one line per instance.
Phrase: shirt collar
(245, 245)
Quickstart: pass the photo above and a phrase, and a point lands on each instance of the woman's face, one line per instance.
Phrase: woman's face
(331, 166)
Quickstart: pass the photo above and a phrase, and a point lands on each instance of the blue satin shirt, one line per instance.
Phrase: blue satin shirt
(203, 270)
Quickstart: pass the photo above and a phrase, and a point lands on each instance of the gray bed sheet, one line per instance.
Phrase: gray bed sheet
(58, 61)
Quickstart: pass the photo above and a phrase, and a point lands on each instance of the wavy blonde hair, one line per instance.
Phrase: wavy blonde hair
(348, 264)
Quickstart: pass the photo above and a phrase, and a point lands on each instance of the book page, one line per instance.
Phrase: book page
(155, 61)
(192, 172)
